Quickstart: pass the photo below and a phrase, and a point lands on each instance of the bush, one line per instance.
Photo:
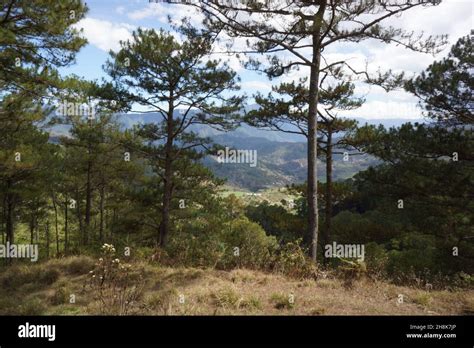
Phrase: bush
(282, 301)
(60, 296)
(17, 276)
(246, 245)
(376, 259)
(350, 271)
(292, 260)
(463, 280)
(227, 298)
(48, 276)
(114, 286)
(277, 221)
(412, 255)
(224, 245)
(32, 307)
(77, 265)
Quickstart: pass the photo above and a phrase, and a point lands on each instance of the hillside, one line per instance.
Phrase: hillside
(279, 164)
(281, 156)
(46, 289)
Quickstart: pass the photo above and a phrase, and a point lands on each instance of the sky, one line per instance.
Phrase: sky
(109, 21)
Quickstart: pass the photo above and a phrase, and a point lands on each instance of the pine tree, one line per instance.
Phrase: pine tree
(181, 84)
(291, 34)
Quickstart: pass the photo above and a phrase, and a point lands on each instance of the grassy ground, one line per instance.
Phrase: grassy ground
(47, 288)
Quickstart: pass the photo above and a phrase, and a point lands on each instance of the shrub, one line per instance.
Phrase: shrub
(463, 280)
(111, 284)
(246, 245)
(350, 271)
(77, 265)
(292, 260)
(282, 301)
(422, 299)
(277, 221)
(60, 296)
(376, 259)
(227, 298)
(162, 300)
(224, 245)
(16, 276)
(32, 307)
(413, 253)
(48, 276)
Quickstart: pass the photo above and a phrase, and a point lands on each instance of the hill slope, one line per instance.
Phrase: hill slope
(46, 289)
(281, 156)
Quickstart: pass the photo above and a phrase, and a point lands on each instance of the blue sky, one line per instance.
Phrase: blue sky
(109, 21)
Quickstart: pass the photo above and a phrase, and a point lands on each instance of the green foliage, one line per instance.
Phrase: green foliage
(277, 221)
(42, 36)
(60, 296)
(227, 298)
(292, 260)
(282, 301)
(376, 259)
(224, 244)
(247, 245)
(351, 271)
(445, 88)
(372, 226)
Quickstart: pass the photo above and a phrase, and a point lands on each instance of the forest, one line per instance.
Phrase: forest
(160, 217)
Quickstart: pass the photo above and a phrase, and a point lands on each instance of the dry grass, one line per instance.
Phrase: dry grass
(189, 291)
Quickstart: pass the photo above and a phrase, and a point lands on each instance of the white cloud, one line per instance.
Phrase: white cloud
(261, 86)
(120, 10)
(385, 110)
(103, 34)
(161, 12)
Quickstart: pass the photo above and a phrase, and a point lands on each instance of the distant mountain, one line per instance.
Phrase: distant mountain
(278, 163)
(281, 157)
(129, 120)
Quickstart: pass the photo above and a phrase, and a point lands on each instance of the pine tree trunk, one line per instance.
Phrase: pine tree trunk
(87, 220)
(79, 217)
(4, 220)
(32, 228)
(312, 194)
(101, 207)
(47, 239)
(56, 225)
(66, 227)
(168, 184)
(9, 220)
(327, 232)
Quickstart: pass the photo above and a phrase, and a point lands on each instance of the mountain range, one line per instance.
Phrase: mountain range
(281, 157)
